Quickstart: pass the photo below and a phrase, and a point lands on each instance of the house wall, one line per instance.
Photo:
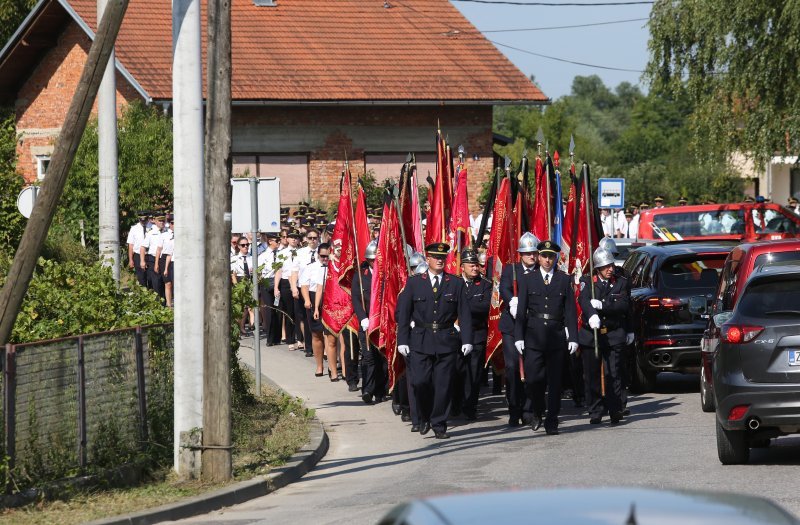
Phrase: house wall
(44, 99)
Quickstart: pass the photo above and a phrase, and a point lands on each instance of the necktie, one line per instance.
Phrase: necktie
(246, 268)
(435, 283)
(546, 279)
(313, 259)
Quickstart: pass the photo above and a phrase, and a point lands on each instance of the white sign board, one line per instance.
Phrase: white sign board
(26, 199)
(269, 205)
(611, 193)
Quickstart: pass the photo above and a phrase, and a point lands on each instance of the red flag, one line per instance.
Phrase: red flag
(539, 226)
(389, 276)
(337, 308)
(459, 223)
(416, 217)
(362, 225)
(501, 252)
(568, 231)
(583, 249)
(441, 196)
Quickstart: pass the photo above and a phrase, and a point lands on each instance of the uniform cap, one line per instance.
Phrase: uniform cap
(683, 200)
(658, 198)
(437, 249)
(142, 213)
(602, 258)
(527, 243)
(468, 255)
(294, 234)
(548, 247)
(644, 205)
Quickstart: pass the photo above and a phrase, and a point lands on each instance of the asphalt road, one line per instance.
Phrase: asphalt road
(375, 462)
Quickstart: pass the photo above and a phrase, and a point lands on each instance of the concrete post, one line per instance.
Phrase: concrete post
(188, 178)
(108, 179)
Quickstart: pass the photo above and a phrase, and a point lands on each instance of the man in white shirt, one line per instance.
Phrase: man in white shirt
(287, 289)
(305, 256)
(147, 256)
(135, 238)
(620, 224)
(267, 268)
(312, 280)
(165, 256)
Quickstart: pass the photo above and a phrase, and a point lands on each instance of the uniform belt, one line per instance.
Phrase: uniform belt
(545, 316)
(438, 326)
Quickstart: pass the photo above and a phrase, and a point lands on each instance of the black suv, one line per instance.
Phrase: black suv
(756, 364)
(672, 285)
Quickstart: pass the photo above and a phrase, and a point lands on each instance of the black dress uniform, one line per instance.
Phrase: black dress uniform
(373, 364)
(543, 311)
(470, 367)
(515, 390)
(613, 293)
(434, 342)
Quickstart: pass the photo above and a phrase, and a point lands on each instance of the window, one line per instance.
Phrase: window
(42, 163)
(794, 182)
(692, 271)
(388, 165)
(771, 297)
(292, 170)
(699, 223)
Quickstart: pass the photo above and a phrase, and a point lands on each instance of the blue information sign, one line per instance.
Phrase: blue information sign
(611, 193)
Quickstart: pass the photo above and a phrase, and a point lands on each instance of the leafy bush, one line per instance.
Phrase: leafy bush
(12, 223)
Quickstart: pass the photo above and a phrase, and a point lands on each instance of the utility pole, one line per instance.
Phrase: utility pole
(19, 275)
(108, 178)
(217, 464)
(187, 159)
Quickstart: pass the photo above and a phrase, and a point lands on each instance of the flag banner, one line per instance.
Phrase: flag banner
(539, 226)
(568, 230)
(458, 237)
(500, 252)
(362, 224)
(416, 214)
(558, 207)
(337, 307)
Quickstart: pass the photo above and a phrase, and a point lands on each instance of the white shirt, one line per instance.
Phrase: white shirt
(312, 275)
(167, 242)
(152, 241)
(305, 254)
(432, 276)
(265, 263)
(633, 227)
(136, 236)
(549, 274)
(237, 264)
(289, 261)
(621, 224)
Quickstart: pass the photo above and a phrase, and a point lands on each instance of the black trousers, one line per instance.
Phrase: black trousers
(300, 319)
(574, 371)
(154, 280)
(469, 372)
(270, 323)
(403, 395)
(351, 351)
(595, 401)
(432, 381)
(543, 370)
(141, 275)
(515, 390)
(286, 305)
(374, 368)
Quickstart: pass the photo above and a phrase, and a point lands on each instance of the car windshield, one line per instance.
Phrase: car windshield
(693, 271)
(774, 297)
(675, 226)
(772, 221)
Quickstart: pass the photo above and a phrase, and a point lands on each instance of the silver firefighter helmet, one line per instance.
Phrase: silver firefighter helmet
(602, 258)
(607, 243)
(371, 251)
(528, 243)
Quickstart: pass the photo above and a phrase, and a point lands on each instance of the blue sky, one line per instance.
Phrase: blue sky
(621, 45)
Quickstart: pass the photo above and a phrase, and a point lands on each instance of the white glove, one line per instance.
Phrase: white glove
(466, 349)
(520, 345)
(403, 349)
(364, 324)
(413, 324)
(629, 339)
(458, 328)
(594, 322)
(598, 305)
(512, 307)
(573, 347)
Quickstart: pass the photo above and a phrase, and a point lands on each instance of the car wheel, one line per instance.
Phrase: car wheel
(760, 443)
(643, 381)
(732, 447)
(706, 398)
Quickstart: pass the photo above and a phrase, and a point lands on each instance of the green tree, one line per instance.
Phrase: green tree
(737, 61)
(12, 13)
(12, 223)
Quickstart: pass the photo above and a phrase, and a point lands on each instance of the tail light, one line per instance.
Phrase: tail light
(667, 303)
(737, 334)
(659, 342)
(737, 413)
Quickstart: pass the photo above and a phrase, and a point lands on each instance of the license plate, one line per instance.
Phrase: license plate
(794, 357)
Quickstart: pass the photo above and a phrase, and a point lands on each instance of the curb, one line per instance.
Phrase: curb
(300, 463)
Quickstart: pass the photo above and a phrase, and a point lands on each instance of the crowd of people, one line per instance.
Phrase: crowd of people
(151, 252)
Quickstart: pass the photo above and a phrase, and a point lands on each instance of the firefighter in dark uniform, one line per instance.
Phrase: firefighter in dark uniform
(470, 366)
(546, 326)
(435, 301)
(373, 364)
(515, 390)
(605, 316)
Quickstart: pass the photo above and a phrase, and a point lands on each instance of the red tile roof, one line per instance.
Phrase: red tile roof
(333, 50)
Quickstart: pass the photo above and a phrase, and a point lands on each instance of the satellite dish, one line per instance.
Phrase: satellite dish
(26, 199)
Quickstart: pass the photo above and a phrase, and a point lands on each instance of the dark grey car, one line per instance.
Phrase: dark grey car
(756, 365)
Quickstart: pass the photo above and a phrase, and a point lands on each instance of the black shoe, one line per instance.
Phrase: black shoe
(405, 417)
(309, 353)
(513, 422)
(616, 417)
(424, 428)
(414, 428)
(626, 412)
(536, 423)
(526, 419)
(470, 415)
(367, 399)
(352, 387)
(551, 431)
(396, 408)
(594, 421)
(441, 435)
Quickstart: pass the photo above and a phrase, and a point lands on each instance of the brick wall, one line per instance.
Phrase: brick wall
(44, 98)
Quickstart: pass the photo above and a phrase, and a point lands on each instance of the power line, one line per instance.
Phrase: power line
(610, 68)
(557, 4)
(565, 27)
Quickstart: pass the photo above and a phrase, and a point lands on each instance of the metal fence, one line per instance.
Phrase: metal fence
(82, 401)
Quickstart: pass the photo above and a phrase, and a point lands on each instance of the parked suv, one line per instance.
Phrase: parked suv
(756, 366)
(672, 286)
(740, 264)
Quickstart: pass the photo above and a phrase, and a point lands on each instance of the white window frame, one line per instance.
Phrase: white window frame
(42, 164)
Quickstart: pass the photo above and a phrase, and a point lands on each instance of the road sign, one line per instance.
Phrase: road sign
(611, 193)
(26, 199)
(269, 205)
